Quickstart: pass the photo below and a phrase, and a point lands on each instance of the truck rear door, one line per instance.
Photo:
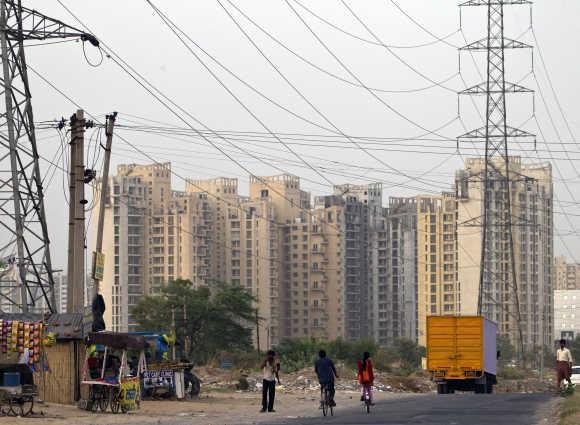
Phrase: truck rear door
(454, 345)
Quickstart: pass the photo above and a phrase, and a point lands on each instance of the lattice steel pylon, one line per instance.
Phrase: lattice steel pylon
(498, 274)
(24, 236)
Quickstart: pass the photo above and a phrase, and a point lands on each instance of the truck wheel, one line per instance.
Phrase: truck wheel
(480, 388)
(442, 389)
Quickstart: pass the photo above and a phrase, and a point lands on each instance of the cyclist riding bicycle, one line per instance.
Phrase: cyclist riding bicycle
(326, 372)
(365, 376)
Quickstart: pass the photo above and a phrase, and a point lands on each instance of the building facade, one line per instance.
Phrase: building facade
(532, 232)
(566, 313)
(402, 273)
(438, 287)
(567, 275)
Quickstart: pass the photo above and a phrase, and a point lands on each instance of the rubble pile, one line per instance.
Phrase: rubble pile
(305, 381)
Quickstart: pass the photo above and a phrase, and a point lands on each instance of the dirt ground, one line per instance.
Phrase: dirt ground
(215, 408)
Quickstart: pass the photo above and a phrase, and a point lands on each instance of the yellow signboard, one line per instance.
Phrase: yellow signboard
(98, 265)
(130, 394)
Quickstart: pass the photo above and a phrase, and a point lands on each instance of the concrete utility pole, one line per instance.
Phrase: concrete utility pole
(76, 223)
(97, 271)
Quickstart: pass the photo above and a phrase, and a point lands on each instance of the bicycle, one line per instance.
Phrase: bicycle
(566, 389)
(366, 398)
(325, 403)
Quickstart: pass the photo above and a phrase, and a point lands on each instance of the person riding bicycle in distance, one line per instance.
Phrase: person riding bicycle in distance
(326, 372)
(365, 376)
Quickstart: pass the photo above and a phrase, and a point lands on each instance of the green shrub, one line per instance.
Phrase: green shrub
(511, 373)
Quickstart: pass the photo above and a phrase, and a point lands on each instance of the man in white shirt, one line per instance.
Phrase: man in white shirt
(563, 363)
(270, 370)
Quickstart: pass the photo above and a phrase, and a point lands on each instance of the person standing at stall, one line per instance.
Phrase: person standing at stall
(270, 371)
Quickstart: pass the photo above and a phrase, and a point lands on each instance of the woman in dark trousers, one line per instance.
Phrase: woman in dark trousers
(270, 370)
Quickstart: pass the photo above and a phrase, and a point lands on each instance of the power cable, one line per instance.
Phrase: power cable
(325, 71)
(365, 40)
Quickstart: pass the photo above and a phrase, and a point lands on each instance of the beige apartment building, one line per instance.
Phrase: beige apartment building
(532, 218)
(567, 275)
(439, 290)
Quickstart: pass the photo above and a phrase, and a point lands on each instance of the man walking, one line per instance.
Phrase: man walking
(563, 363)
(326, 372)
(270, 371)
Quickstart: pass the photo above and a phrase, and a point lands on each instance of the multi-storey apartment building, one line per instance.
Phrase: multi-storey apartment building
(361, 204)
(532, 231)
(402, 277)
(567, 275)
(438, 287)
(566, 313)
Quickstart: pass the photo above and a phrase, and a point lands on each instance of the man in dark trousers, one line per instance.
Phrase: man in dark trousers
(270, 371)
(326, 372)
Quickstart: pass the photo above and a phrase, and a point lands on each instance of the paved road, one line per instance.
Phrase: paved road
(453, 409)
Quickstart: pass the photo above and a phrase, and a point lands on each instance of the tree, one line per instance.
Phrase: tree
(506, 349)
(205, 322)
(409, 353)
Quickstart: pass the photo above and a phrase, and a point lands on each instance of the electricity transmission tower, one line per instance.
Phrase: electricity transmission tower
(24, 235)
(498, 295)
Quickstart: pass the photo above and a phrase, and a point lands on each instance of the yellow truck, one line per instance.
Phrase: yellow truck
(462, 354)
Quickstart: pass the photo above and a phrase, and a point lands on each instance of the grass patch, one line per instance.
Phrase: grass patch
(570, 410)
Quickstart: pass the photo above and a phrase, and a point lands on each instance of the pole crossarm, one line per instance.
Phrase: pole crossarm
(29, 24)
(496, 131)
(496, 44)
(493, 2)
(483, 89)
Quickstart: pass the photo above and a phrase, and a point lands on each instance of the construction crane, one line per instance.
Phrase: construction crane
(22, 212)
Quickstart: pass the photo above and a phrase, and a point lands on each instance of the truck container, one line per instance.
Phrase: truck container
(462, 354)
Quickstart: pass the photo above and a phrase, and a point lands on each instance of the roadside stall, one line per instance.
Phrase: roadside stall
(164, 378)
(113, 381)
(20, 353)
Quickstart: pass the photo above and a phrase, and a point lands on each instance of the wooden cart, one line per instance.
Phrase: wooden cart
(113, 386)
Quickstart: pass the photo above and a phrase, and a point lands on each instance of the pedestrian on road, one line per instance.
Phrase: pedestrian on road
(563, 363)
(326, 372)
(270, 371)
(366, 376)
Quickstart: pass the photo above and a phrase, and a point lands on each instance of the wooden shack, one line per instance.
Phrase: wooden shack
(58, 379)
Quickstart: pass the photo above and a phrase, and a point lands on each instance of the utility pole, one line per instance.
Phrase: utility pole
(76, 223)
(23, 218)
(174, 331)
(258, 333)
(498, 271)
(98, 257)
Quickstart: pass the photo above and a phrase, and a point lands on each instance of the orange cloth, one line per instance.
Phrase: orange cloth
(366, 376)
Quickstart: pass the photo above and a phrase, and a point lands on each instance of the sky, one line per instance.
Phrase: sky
(384, 72)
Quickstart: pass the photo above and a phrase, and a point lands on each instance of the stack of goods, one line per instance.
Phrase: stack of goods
(17, 336)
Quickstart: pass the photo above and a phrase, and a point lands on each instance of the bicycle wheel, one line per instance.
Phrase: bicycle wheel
(368, 405)
(103, 399)
(21, 406)
(324, 408)
(114, 400)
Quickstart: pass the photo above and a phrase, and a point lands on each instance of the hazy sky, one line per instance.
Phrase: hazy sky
(138, 35)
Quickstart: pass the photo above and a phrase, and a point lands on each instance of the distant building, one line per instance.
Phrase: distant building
(60, 291)
(400, 311)
(566, 313)
(567, 274)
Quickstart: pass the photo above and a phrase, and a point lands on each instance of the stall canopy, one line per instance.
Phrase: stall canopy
(117, 340)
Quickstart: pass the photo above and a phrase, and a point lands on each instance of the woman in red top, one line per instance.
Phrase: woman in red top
(365, 375)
